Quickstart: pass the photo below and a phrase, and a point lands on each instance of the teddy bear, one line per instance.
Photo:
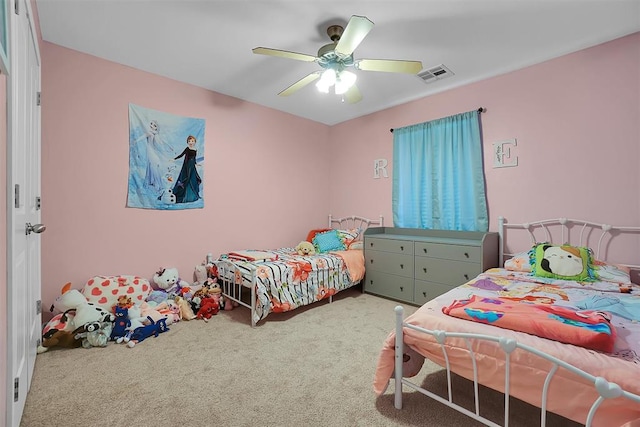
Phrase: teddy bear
(305, 248)
(168, 280)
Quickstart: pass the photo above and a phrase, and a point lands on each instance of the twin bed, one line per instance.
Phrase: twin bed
(568, 341)
(280, 280)
(567, 346)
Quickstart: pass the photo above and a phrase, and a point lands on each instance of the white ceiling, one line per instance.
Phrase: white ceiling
(208, 43)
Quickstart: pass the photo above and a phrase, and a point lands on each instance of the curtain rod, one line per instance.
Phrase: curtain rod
(480, 110)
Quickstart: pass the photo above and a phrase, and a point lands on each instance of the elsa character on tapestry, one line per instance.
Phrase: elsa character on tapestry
(155, 179)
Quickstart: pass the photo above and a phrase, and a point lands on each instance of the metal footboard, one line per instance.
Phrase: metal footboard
(232, 281)
(604, 388)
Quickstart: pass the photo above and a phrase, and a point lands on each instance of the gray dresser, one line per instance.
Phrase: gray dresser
(416, 265)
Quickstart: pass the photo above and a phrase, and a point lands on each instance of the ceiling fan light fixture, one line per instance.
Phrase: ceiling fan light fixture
(327, 79)
(345, 80)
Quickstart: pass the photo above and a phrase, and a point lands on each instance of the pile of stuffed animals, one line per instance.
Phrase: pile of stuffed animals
(128, 309)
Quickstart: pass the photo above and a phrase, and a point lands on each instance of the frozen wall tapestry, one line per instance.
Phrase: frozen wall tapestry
(166, 154)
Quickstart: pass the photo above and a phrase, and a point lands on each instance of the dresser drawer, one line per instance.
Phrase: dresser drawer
(389, 285)
(445, 271)
(389, 245)
(388, 262)
(426, 291)
(444, 251)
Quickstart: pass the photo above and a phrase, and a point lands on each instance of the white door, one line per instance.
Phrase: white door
(23, 175)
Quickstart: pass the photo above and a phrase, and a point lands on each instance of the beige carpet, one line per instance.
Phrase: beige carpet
(310, 367)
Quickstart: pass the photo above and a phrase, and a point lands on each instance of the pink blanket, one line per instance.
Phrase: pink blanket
(586, 328)
(569, 395)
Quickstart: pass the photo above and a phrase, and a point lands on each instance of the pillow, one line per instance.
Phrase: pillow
(328, 241)
(348, 236)
(313, 233)
(564, 262)
(358, 244)
(612, 272)
(518, 262)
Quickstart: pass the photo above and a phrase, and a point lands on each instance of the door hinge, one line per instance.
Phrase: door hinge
(38, 342)
(38, 96)
(16, 191)
(17, 7)
(38, 203)
(39, 307)
(16, 389)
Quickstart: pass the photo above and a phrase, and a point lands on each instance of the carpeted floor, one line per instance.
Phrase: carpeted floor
(310, 367)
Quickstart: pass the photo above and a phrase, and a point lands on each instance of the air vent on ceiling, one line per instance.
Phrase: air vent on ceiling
(432, 74)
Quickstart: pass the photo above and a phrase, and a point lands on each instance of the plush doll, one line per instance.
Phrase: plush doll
(124, 301)
(305, 248)
(200, 274)
(170, 310)
(85, 311)
(96, 334)
(186, 312)
(58, 338)
(136, 319)
(144, 332)
(148, 311)
(120, 325)
(208, 307)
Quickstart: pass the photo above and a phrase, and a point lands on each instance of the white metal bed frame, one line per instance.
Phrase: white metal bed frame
(233, 290)
(604, 388)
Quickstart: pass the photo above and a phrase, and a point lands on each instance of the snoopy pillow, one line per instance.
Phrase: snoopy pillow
(561, 262)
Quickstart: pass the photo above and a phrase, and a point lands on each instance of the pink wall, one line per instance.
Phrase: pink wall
(3, 248)
(265, 177)
(577, 124)
(576, 127)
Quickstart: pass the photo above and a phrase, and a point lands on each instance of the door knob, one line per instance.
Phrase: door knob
(35, 228)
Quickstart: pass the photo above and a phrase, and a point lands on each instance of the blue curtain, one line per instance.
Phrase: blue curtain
(438, 176)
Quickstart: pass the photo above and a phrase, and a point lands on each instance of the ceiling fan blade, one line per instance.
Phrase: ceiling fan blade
(284, 54)
(300, 84)
(353, 95)
(389, 65)
(355, 31)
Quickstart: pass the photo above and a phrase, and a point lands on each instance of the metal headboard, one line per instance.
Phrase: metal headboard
(351, 222)
(603, 232)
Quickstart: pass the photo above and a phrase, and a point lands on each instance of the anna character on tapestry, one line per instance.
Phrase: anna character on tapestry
(155, 180)
(187, 188)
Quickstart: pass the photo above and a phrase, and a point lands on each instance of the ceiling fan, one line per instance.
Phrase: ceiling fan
(336, 57)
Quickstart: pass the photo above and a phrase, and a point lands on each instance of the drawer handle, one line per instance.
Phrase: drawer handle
(401, 288)
(425, 250)
(371, 282)
(401, 265)
(424, 294)
(402, 248)
(371, 261)
(466, 276)
(466, 254)
(371, 244)
(424, 269)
